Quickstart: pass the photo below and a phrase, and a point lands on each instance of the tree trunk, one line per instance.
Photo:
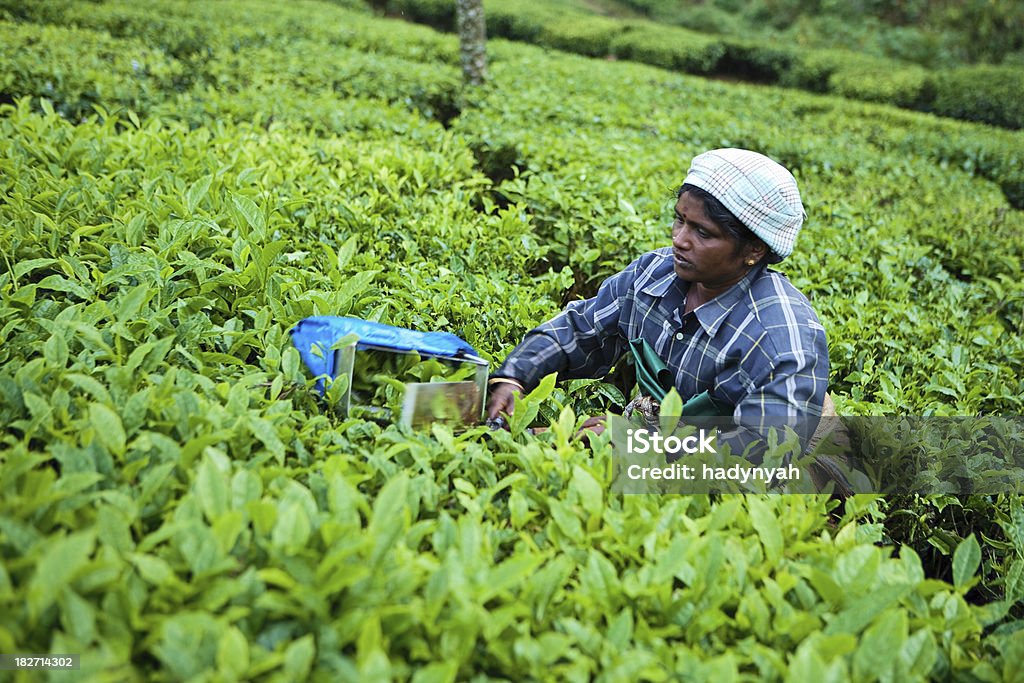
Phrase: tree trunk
(469, 21)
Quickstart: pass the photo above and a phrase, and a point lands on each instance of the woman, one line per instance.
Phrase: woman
(708, 306)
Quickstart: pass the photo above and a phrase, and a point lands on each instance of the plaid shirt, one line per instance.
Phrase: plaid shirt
(758, 346)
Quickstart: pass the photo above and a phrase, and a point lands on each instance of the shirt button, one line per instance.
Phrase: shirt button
(680, 336)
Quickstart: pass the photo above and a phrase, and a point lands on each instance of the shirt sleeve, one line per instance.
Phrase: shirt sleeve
(583, 341)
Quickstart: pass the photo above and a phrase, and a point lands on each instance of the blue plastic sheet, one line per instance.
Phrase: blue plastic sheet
(322, 332)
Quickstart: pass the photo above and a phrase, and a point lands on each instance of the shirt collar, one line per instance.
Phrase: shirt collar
(712, 314)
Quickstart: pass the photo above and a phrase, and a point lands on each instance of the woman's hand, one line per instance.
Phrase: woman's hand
(502, 399)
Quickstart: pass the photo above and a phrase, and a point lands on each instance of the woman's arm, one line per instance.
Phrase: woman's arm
(581, 341)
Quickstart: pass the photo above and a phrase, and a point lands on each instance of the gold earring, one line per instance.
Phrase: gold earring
(751, 262)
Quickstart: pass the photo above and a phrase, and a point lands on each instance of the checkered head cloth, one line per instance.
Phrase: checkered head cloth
(758, 191)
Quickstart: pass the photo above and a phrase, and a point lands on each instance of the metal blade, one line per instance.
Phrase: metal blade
(453, 403)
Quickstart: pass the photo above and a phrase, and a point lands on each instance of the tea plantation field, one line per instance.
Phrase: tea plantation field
(180, 183)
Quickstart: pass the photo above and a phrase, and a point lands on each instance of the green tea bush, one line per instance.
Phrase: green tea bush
(908, 87)
(756, 61)
(167, 23)
(51, 11)
(239, 61)
(591, 36)
(77, 69)
(180, 35)
(669, 48)
(523, 21)
(703, 18)
(439, 14)
(990, 94)
(811, 71)
(992, 153)
(927, 33)
(345, 72)
(983, 93)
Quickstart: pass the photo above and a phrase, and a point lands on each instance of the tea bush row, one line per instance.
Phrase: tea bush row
(983, 93)
(925, 33)
(76, 69)
(993, 153)
(124, 73)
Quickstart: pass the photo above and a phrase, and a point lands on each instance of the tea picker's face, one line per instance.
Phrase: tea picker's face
(702, 251)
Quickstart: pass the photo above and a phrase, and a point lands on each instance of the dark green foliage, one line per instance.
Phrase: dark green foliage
(669, 48)
(756, 62)
(522, 21)
(987, 94)
(937, 33)
(439, 14)
(812, 69)
(78, 69)
(591, 36)
(908, 86)
(988, 30)
(40, 12)
(990, 94)
(936, 525)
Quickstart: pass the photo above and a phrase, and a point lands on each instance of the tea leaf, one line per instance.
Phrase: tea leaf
(55, 350)
(109, 430)
(211, 487)
(437, 672)
(966, 560)
(233, 653)
(197, 192)
(589, 492)
(293, 527)
(389, 518)
(62, 559)
(764, 520)
(250, 212)
(298, 658)
(153, 569)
